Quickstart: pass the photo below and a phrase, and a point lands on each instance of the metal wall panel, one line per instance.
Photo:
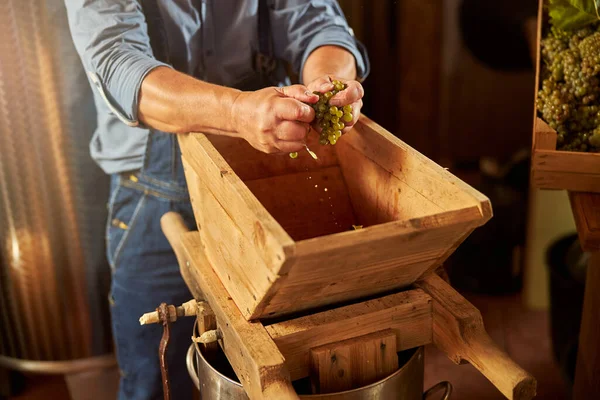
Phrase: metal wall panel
(53, 273)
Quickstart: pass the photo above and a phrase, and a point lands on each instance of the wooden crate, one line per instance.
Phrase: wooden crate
(278, 231)
(552, 169)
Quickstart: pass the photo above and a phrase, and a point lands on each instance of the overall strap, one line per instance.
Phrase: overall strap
(264, 61)
(156, 31)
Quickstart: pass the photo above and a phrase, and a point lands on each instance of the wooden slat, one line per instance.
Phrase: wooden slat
(377, 195)
(552, 160)
(576, 182)
(458, 330)
(247, 278)
(540, 141)
(372, 260)
(407, 313)
(251, 164)
(307, 204)
(424, 176)
(544, 137)
(586, 211)
(587, 384)
(272, 242)
(254, 357)
(353, 363)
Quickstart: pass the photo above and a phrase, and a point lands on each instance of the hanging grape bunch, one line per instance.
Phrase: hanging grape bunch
(331, 118)
(569, 96)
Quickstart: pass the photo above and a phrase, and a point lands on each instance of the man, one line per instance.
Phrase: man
(162, 67)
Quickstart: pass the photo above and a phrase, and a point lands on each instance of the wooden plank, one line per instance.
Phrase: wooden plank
(251, 164)
(587, 370)
(417, 171)
(544, 137)
(353, 363)
(539, 141)
(552, 160)
(234, 256)
(257, 362)
(272, 242)
(458, 330)
(307, 204)
(407, 314)
(377, 195)
(576, 182)
(586, 211)
(368, 261)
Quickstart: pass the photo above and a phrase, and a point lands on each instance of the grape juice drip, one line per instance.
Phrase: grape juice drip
(569, 99)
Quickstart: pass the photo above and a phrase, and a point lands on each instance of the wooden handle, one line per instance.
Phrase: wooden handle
(173, 226)
(458, 330)
(281, 391)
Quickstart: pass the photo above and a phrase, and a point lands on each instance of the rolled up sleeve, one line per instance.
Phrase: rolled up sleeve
(112, 41)
(302, 26)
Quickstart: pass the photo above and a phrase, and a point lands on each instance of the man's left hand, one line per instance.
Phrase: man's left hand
(352, 95)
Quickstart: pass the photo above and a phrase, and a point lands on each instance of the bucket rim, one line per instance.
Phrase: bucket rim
(418, 351)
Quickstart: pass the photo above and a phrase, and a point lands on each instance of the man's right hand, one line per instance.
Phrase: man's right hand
(274, 120)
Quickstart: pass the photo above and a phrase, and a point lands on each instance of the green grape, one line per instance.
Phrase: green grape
(335, 120)
(348, 117)
(333, 110)
(348, 109)
(328, 95)
(340, 126)
(294, 155)
(339, 113)
(337, 134)
(323, 141)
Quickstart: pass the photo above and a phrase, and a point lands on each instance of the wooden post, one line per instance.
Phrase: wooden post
(353, 363)
(586, 210)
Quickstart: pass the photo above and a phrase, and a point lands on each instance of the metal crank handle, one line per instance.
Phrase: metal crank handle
(191, 308)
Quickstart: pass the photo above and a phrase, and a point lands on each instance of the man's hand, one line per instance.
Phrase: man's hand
(274, 120)
(352, 95)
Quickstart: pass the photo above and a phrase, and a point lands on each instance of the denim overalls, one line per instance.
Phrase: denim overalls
(146, 272)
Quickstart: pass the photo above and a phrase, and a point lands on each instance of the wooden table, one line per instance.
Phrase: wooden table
(586, 210)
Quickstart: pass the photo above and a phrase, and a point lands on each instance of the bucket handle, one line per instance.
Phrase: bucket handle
(447, 392)
(189, 361)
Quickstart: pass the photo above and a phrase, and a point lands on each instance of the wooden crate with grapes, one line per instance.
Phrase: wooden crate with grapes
(566, 135)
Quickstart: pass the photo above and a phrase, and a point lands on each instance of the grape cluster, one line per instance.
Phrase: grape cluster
(569, 97)
(331, 118)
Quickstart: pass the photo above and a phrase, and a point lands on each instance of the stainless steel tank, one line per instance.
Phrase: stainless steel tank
(53, 275)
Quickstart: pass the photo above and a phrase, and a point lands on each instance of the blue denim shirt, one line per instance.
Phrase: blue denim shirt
(213, 40)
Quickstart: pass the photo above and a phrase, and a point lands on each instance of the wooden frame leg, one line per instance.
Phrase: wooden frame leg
(587, 381)
(458, 330)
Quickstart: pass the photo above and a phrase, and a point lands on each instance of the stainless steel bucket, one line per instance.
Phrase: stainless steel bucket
(404, 384)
